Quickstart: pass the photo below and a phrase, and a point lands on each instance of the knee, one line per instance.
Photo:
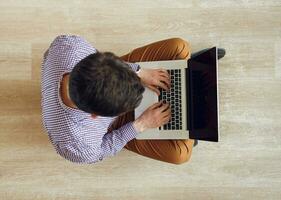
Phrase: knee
(181, 48)
(181, 153)
(180, 159)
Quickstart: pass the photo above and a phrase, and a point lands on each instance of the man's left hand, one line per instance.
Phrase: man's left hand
(155, 79)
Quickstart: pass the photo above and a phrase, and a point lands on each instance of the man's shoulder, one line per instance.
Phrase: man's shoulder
(64, 124)
(67, 39)
(64, 130)
(60, 126)
(67, 50)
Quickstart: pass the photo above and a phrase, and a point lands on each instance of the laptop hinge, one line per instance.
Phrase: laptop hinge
(187, 92)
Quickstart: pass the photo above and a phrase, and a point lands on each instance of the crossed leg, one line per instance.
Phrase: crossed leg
(171, 151)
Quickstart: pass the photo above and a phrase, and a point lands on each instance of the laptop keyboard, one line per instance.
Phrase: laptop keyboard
(173, 97)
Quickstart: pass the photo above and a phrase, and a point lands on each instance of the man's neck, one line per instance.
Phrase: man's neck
(65, 92)
(65, 96)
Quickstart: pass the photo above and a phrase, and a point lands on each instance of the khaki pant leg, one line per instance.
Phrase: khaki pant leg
(171, 151)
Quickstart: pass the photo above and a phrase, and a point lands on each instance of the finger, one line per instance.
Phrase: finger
(164, 76)
(165, 73)
(156, 105)
(164, 107)
(167, 111)
(155, 89)
(165, 80)
(166, 119)
(167, 116)
(163, 85)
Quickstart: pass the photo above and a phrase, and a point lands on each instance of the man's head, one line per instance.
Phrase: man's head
(102, 84)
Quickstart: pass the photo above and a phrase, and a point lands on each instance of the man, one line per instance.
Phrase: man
(88, 98)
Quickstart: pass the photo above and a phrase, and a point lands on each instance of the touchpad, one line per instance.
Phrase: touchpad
(149, 98)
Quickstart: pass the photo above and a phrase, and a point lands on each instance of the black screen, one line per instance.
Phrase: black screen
(203, 110)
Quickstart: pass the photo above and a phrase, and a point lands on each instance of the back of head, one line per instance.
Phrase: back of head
(104, 85)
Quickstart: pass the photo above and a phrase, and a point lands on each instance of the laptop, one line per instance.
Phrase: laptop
(193, 98)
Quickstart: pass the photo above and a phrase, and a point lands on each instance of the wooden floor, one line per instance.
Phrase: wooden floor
(245, 164)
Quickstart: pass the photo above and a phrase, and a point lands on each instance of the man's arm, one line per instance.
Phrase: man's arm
(155, 116)
(134, 66)
(113, 142)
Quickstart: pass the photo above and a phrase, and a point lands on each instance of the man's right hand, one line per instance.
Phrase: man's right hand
(155, 116)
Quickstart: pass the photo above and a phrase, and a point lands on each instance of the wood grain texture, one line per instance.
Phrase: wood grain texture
(245, 164)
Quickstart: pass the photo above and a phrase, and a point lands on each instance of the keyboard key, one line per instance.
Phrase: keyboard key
(173, 97)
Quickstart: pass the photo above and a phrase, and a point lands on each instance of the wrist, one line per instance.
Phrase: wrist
(138, 125)
(141, 72)
(138, 69)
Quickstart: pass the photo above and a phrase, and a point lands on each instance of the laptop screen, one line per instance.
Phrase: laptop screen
(203, 103)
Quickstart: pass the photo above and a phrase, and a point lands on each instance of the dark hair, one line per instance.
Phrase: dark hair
(105, 85)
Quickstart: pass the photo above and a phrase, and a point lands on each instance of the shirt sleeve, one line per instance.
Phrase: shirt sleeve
(114, 141)
(78, 152)
(135, 67)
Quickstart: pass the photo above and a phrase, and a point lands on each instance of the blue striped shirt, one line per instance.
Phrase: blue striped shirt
(74, 134)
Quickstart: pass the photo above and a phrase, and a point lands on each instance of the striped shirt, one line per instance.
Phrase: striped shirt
(75, 135)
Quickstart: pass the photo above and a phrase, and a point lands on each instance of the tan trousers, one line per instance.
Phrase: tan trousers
(171, 151)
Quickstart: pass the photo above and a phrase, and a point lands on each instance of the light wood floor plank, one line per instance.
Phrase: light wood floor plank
(245, 164)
